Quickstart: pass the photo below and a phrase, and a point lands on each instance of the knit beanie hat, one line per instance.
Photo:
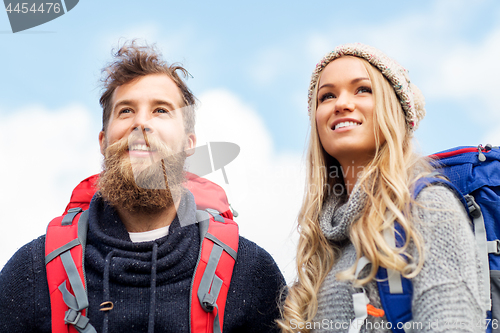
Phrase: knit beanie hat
(409, 95)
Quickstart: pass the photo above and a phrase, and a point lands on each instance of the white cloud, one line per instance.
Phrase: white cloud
(471, 71)
(265, 187)
(45, 155)
(448, 65)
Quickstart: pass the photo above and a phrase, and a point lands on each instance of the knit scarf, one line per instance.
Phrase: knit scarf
(337, 215)
(335, 296)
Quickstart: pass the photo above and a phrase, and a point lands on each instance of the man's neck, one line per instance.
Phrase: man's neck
(139, 222)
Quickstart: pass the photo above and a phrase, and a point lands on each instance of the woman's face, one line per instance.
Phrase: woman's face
(344, 114)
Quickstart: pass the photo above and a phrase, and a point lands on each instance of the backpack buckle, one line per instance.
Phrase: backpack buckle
(474, 209)
(494, 247)
(497, 242)
(76, 319)
(208, 302)
(72, 317)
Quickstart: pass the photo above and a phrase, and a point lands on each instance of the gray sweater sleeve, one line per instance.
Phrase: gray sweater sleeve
(447, 292)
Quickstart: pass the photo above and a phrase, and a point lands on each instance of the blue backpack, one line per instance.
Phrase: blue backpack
(474, 175)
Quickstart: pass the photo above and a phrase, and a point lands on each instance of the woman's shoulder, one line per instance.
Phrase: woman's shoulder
(451, 269)
(437, 209)
(438, 196)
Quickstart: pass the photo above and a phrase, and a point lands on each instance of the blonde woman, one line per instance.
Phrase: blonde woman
(361, 169)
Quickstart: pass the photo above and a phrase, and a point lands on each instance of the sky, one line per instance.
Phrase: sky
(250, 64)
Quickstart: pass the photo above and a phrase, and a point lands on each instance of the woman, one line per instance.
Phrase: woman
(361, 169)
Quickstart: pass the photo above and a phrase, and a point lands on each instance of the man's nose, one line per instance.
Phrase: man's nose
(142, 122)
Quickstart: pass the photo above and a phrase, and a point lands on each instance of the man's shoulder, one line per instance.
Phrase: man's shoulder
(32, 251)
(24, 292)
(255, 291)
(255, 261)
(23, 287)
(28, 260)
(247, 247)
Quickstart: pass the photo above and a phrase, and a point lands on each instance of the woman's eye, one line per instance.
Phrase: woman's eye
(364, 90)
(326, 96)
(162, 110)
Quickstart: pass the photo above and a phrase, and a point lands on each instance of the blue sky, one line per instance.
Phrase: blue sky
(263, 51)
(251, 63)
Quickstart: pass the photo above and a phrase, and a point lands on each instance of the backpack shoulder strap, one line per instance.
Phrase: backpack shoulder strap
(64, 259)
(395, 291)
(218, 251)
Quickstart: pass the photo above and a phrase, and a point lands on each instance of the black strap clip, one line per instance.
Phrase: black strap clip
(76, 319)
(474, 209)
(208, 302)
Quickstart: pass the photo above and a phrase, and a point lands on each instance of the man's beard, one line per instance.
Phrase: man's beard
(141, 185)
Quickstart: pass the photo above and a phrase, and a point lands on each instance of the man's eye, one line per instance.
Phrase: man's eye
(161, 110)
(125, 111)
(326, 96)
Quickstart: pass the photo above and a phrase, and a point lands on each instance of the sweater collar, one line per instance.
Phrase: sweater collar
(337, 215)
(132, 263)
(110, 224)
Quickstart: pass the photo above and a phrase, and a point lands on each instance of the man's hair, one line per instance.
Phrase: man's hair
(133, 61)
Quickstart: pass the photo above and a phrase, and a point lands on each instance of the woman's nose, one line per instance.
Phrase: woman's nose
(345, 103)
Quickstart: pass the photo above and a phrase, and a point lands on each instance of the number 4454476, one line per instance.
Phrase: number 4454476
(23, 8)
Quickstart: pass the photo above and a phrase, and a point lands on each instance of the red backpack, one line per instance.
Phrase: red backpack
(206, 194)
(65, 244)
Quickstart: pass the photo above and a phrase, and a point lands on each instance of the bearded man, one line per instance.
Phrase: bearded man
(143, 242)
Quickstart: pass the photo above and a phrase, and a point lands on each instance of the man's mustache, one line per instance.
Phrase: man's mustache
(140, 140)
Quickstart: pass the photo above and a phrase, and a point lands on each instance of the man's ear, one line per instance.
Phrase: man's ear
(102, 142)
(190, 144)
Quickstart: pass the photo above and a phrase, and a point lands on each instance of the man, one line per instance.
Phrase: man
(142, 242)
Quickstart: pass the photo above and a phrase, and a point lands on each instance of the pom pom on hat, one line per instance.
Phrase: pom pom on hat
(409, 95)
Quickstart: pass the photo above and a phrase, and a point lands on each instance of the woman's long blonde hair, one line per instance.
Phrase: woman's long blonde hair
(386, 180)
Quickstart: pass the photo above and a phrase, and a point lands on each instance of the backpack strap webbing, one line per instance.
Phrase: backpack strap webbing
(64, 252)
(359, 300)
(484, 247)
(395, 291)
(218, 250)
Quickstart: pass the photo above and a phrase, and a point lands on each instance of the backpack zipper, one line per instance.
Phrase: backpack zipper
(479, 149)
(480, 155)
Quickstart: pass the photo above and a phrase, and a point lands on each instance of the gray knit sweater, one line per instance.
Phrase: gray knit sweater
(446, 290)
